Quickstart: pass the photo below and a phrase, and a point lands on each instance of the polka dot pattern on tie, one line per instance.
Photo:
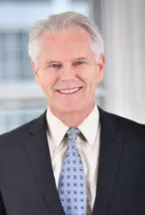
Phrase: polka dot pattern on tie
(72, 187)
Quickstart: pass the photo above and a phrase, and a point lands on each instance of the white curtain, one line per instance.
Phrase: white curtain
(123, 26)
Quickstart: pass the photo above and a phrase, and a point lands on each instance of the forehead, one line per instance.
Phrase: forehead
(68, 43)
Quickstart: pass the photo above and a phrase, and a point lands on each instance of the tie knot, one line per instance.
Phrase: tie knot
(73, 134)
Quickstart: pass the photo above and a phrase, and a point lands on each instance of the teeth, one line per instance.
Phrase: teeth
(69, 91)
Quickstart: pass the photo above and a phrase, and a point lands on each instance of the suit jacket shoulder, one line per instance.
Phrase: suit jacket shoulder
(129, 126)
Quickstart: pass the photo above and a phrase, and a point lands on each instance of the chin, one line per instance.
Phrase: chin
(69, 108)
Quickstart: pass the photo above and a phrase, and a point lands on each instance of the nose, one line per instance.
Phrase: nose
(67, 73)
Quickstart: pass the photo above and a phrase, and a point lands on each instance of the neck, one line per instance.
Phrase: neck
(73, 119)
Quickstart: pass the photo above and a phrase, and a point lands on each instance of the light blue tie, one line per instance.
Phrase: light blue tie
(72, 186)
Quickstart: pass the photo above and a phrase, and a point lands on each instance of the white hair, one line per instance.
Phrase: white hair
(62, 21)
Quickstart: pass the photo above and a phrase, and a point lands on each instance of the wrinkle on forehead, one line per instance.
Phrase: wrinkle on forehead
(75, 33)
(71, 43)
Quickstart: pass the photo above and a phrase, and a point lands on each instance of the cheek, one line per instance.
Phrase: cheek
(84, 74)
(47, 81)
(89, 77)
(95, 77)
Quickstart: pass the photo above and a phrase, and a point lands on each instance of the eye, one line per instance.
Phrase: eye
(79, 62)
(54, 65)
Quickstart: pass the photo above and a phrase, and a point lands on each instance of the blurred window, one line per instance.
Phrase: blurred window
(14, 118)
(24, 1)
(79, 1)
(14, 61)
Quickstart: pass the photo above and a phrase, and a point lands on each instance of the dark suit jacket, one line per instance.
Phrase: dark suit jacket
(27, 185)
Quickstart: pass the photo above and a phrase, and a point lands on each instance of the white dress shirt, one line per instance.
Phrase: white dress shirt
(87, 144)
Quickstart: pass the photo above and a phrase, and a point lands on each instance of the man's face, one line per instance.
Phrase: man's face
(67, 70)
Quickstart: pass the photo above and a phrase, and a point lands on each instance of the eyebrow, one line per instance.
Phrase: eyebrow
(81, 58)
(52, 61)
(59, 62)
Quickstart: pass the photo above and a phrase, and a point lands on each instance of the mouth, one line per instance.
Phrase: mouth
(69, 91)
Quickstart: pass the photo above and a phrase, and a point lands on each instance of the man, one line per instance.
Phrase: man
(75, 159)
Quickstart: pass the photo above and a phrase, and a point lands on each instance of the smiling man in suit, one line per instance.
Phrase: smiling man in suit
(75, 159)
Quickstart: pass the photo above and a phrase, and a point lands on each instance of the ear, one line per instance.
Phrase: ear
(35, 68)
(100, 67)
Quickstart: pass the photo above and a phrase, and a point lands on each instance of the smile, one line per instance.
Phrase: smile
(69, 91)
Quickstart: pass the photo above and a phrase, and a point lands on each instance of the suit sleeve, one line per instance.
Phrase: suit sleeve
(2, 207)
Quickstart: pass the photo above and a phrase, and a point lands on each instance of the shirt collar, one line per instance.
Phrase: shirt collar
(89, 127)
(56, 128)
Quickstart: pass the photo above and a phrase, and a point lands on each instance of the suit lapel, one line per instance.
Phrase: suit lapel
(111, 145)
(36, 146)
